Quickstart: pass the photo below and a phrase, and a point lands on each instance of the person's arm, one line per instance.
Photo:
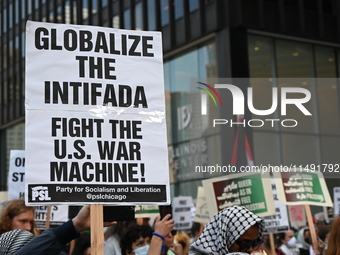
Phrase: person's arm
(162, 229)
(52, 241)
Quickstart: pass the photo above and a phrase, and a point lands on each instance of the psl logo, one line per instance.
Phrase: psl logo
(40, 193)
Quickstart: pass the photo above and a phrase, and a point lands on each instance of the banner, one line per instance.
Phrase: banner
(246, 189)
(94, 108)
(301, 187)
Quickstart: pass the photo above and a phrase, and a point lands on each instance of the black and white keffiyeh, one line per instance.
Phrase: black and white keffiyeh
(224, 229)
(12, 241)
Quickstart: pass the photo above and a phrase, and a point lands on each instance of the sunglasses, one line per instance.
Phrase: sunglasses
(246, 244)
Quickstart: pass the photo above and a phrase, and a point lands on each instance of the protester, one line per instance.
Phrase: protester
(141, 240)
(52, 241)
(234, 229)
(169, 246)
(12, 241)
(16, 215)
(195, 231)
(183, 239)
(323, 236)
(113, 236)
(304, 241)
(137, 239)
(83, 244)
(333, 239)
(287, 244)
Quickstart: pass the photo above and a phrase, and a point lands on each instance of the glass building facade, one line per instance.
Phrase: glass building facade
(203, 39)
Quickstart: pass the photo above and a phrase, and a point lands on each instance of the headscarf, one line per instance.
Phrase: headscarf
(12, 241)
(301, 243)
(224, 229)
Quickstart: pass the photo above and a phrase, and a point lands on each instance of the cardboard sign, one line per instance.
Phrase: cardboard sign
(94, 108)
(297, 215)
(246, 189)
(202, 211)
(279, 221)
(146, 211)
(59, 215)
(16, 190)
(299, 186)
(336, 196)
(181, 208)
(16, 175)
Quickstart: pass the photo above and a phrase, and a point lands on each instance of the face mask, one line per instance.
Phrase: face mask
(142, 250)
(292, 242)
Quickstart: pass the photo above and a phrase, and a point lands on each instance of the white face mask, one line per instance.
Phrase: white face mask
(142, 250)
(292, 242)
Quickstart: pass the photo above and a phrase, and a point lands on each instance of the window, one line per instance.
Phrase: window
(179, 11)
(127, 19)
(151, 15)
(139, 16)
(164, 12)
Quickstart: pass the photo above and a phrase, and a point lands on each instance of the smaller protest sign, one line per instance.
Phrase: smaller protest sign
(182, 212)
(246, 189)
(336, 196)
(59, 214)
(146, 211)
(300, 186)
(279, 221)
(297, 215)
(16, 175)
(202, 211)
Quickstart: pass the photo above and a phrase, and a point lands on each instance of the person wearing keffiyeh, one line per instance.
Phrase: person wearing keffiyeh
(234, 229)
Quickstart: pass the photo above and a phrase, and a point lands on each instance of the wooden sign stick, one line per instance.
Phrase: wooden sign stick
(312, 229)
(272, 244)
(48, 217)
(97, 230)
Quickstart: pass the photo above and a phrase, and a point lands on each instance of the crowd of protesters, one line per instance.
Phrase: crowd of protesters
(233, 230)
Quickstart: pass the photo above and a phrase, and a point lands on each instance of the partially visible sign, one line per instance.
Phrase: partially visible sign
(202, 211)
(246, 189)
(146, 211)
(16, 175)
(279, 221)
(299, 186)
(297, 215)
(181, 208)
(59, 214)
(336, 196)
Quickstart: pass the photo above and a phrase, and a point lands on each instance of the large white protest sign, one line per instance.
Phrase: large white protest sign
(16, 175)
(94, 109)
